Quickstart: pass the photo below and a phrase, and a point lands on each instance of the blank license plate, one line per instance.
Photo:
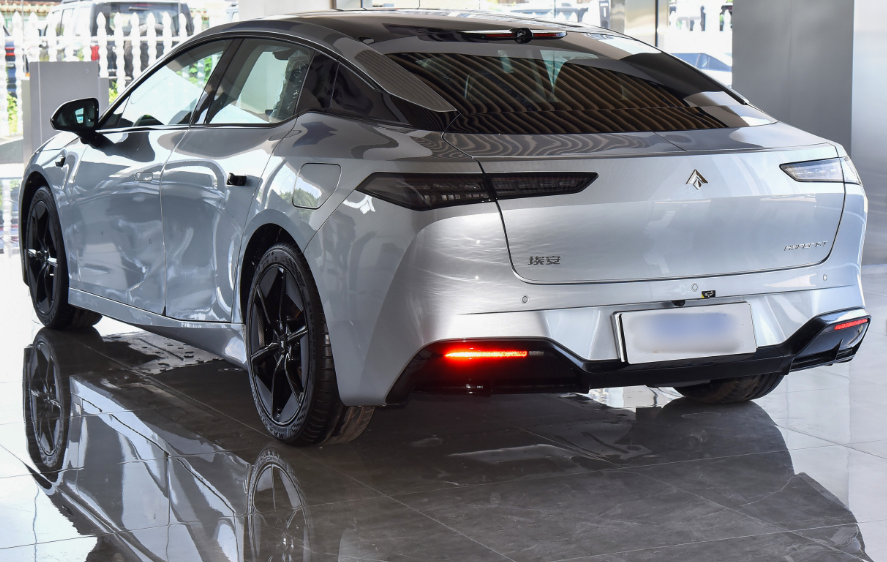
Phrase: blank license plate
(686, 333)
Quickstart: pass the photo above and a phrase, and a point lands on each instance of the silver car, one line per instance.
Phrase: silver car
(357, 205)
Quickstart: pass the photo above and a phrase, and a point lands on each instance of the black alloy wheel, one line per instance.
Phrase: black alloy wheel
(279, 335)
(42, 257)
(47, 405)
(292, 374)
(278, 521)
(46, 267)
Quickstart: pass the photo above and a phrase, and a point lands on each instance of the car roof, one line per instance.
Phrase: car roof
(351, 35)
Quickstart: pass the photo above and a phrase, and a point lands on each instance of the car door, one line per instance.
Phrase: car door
(118, 231)
(214, 172)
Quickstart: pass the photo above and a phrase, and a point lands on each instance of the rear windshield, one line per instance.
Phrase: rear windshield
(582, 83)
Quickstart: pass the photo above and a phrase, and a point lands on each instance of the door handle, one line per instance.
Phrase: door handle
(234, 179)
(60, 161)
(144, 176)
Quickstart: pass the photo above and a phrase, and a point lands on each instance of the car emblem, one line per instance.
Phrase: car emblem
(697, 180)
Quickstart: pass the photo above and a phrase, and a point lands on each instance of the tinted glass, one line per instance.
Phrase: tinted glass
(583, 83)
(168, 96)
(262, 84)
(318, 90)
(352, 95)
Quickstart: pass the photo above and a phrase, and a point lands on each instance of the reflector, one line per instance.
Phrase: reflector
(485, 354)
(851, 324)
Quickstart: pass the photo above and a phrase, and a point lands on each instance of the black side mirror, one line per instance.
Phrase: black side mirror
(78, 116)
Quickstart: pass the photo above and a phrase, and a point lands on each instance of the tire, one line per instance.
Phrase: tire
(47, 268)
(732, 391)
(291, 370)
(47, 406)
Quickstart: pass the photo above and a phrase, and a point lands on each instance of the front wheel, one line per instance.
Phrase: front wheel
(46, 268)
(291, 366)
(732, 391)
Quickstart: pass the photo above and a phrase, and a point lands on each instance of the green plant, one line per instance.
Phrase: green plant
(12, 112)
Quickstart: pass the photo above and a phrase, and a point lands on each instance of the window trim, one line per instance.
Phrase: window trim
(236, 38)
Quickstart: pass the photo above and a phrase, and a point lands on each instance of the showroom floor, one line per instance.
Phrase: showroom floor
(159, 455)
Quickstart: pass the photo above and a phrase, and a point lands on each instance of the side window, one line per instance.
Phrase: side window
(169, 95)
(318, 89)
(352, 95)
(262, 84)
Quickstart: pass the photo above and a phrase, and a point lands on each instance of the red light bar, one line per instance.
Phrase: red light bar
(851, 324)
(486, 354)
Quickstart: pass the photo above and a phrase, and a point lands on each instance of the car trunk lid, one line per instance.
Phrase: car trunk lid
(666, 205)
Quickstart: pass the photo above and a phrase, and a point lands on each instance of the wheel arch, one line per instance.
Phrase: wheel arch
(260, 240)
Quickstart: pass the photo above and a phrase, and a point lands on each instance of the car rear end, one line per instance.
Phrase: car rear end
(648, 226)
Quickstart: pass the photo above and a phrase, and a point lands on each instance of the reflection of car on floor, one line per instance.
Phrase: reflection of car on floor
(357, 205)
(719, 66)
(152, 484)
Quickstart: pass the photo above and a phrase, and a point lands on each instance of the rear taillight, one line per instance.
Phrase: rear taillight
(422, 192)
(94, 52)
(830, 170)
(511, 186)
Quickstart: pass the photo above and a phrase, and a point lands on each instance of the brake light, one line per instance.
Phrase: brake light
(829, 170)
(464, 354)
(511, 186)
(521, 34)
(845, 325)
(422, 192)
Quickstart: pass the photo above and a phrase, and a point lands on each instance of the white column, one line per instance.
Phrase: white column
(119, 47)
(18, 39)
(166, 22)
(151, 38)
(102, 39)
(135, 43)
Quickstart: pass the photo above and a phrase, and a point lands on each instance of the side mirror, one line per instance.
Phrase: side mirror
(78, 116)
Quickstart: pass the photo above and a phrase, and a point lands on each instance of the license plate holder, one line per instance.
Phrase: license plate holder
(673, 334)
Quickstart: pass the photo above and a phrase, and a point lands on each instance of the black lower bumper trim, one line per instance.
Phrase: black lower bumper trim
(550, 368)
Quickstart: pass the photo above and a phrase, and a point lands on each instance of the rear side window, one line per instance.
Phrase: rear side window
(585, 83)
(353, 96)
(318, 89)
(261, 85)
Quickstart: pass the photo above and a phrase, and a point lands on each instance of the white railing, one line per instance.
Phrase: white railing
(112, 52)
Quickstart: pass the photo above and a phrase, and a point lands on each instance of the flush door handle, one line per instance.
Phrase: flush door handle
(234, 179)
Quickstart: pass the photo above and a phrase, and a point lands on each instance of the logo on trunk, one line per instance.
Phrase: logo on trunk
(696, 180)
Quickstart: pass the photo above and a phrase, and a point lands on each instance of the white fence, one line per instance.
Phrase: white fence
(119, 55)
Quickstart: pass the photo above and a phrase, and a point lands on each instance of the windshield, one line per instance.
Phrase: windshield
(585, 82)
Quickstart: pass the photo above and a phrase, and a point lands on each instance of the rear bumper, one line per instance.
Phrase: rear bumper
(549, 367)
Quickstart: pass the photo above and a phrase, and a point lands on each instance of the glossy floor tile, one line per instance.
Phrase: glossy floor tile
(120, 445)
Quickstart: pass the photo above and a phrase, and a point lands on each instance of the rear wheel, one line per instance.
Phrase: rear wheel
(291, 366)
(47, 269)
(731, 391)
